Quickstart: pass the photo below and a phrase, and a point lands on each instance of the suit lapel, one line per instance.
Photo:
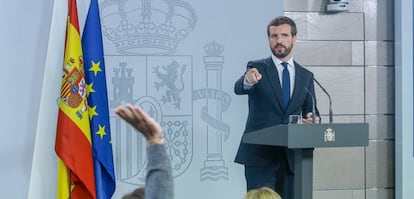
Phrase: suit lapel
(273, 77)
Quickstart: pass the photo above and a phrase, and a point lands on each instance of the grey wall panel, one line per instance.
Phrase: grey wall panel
(343, 118)
(380, 164)
(358, 53)
(323, 52)
(379, 90)
(301, 23)
(346, 87)
(351, 54)
(330, 52)
(380, 194)
(339, 194)
(300, 5)
(379, 19)
(379, 53)
(330, 164)
(354, 194)
(381, 126)
(356, 5)
(341, 26)
(323, 26)
(379, 16)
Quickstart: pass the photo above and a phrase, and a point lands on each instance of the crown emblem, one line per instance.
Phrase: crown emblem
(329, 135)
(213, 49)
(146, 27)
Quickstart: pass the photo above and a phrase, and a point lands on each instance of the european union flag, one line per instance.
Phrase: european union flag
(98, 104)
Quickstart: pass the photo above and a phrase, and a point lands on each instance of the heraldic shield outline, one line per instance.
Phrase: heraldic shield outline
(147, 73)
(160, 85)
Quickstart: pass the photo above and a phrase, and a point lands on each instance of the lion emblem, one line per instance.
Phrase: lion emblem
(172, 79)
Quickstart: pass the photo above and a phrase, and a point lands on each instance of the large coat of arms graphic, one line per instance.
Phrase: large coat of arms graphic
(146, 72)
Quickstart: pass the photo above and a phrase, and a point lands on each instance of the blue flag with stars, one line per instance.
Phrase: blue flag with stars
(98, 104)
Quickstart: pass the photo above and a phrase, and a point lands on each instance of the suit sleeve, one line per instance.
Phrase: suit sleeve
(159, 181)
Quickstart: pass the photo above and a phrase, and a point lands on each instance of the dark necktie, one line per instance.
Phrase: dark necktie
(285, 84)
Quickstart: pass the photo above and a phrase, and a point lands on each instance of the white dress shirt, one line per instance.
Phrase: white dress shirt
(291, 68)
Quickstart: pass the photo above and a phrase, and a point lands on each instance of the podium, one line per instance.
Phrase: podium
(303, 138)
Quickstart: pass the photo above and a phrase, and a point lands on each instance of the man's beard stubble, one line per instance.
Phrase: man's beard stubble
(282, 54)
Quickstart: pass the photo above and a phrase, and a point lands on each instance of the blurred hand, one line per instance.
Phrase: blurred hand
(141, 121)
(253, 76)
(308, 119)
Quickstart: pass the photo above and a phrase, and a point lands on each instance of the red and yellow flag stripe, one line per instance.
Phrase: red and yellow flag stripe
(73, 138)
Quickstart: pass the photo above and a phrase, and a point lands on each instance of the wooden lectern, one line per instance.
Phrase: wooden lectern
(303, 138)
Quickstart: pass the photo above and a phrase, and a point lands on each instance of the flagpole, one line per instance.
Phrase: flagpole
(43, 173)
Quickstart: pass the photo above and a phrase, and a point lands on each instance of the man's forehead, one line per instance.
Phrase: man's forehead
(281, 28)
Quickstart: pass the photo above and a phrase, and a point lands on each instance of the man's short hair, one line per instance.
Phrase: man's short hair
(283, 20)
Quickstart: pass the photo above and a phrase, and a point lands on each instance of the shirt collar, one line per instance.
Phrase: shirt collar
(278, 62)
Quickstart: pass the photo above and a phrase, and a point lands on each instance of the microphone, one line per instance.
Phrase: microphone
(313, 105)
(330, 101)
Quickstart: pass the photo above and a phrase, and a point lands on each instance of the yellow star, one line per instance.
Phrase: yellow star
(92, 112)
(95, 67)
(89, 89)
(101, 132)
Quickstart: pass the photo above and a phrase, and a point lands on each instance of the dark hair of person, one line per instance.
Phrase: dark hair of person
(138, 193)
(283, 20)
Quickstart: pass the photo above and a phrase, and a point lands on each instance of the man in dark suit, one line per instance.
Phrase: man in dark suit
(277, 87)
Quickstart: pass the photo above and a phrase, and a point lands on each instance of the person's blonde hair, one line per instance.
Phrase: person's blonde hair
(262, 193)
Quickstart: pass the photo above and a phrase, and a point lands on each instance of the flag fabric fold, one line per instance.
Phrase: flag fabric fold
(98, 103)
(73, 137)
(44, 170)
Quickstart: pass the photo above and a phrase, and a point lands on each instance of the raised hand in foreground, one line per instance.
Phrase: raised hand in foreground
(142, 122)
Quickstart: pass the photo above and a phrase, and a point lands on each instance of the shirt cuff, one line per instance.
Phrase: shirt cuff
(247, 86)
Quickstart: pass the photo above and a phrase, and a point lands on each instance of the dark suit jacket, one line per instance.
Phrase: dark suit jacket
(266, 109)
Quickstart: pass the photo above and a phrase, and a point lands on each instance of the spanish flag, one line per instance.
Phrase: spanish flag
(73, 136)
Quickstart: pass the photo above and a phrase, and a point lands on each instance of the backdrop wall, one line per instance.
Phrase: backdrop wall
(198, 108)
(23, 41)
(24, 53)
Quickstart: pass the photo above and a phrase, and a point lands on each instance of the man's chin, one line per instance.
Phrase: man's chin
(280, 55)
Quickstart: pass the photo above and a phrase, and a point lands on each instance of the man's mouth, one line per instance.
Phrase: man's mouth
(279, 47)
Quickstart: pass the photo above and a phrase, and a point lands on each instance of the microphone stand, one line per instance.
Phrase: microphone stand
(330, 101)
(313, 105)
